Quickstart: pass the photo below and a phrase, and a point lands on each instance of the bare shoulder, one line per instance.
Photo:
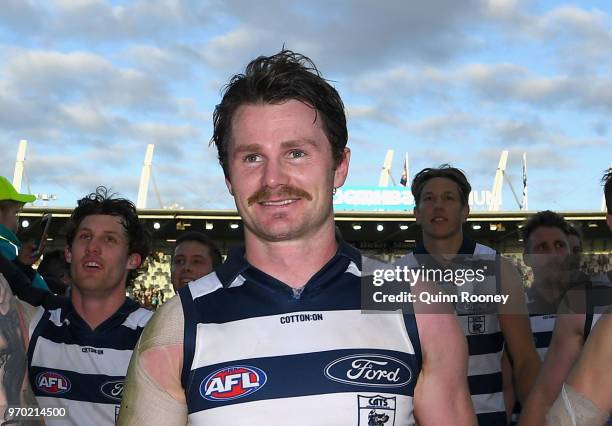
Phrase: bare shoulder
(590, 375)
(165, 327)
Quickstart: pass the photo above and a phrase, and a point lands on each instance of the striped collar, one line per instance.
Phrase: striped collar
(115, 320)
(237, 265)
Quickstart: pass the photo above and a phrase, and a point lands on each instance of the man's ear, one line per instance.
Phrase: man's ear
(609, 220)
(342, 167)
(417, 215)
(134, 261)
(68, 254)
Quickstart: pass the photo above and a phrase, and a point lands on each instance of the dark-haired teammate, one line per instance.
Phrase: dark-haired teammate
(441, 208)
(195, 255)
(78, 354)
(547, 252)
(275, 335)
(586, 395)
(572, 329)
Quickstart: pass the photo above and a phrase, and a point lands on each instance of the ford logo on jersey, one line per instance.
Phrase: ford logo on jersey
(53, 383)
(232, 383)
(113, 389)
(369, 370)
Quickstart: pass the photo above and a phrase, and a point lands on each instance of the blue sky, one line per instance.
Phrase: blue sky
(89, 83)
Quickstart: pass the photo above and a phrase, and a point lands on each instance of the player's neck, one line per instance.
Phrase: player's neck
(445, 248)
(292, 262)
(95, 309)
(550, 291)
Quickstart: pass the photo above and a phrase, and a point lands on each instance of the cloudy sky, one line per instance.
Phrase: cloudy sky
(89, 83)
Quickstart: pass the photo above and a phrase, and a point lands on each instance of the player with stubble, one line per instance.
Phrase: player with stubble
(275, 335)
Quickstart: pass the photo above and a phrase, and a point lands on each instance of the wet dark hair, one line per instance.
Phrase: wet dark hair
(443, 171)
(103, 202)
(606, 180)
(199, 237)
(548, 219)
(276, 79)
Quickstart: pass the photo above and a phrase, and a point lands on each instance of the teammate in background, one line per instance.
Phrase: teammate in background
(574, 238)
(195, 255)
(547, 252)
(278, 326)
(11, 203)
(586, 397)
(441, 207)
(569, 336)
(56, 272)
(79, 353)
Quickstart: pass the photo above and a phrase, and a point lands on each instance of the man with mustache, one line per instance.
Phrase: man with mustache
(278, 327)
(441, 208)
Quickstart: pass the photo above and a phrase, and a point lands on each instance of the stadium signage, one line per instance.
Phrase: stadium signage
(393, 198)
(372, 198)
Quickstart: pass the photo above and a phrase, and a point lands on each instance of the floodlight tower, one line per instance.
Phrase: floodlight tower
(20, 164)
(386, 170)
(145, 175)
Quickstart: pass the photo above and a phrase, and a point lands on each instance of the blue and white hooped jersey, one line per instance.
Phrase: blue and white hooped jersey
(542, 317)
(258, 352)
(483, 333)
(80, 369)
(599, 300)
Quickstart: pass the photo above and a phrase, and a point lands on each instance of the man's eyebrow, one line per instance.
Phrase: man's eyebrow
(292, 143)
(107, 232)
(247, 148)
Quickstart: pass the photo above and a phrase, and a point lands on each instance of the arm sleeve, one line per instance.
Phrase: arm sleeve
(153, 394)
(26, 269)
(21, 286)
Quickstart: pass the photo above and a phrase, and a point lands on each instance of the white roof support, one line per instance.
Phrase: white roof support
(145, 175)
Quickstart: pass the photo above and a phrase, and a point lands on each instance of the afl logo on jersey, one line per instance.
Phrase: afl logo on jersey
(232, 383)
(369, 370)
(52, 383)
(113, 390)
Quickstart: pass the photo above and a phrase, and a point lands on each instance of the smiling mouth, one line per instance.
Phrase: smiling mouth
(439, 219)
(92, 265)
(279, 202)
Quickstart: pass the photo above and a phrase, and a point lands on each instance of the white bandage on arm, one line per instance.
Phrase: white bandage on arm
(574, 409)
(153, 369)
